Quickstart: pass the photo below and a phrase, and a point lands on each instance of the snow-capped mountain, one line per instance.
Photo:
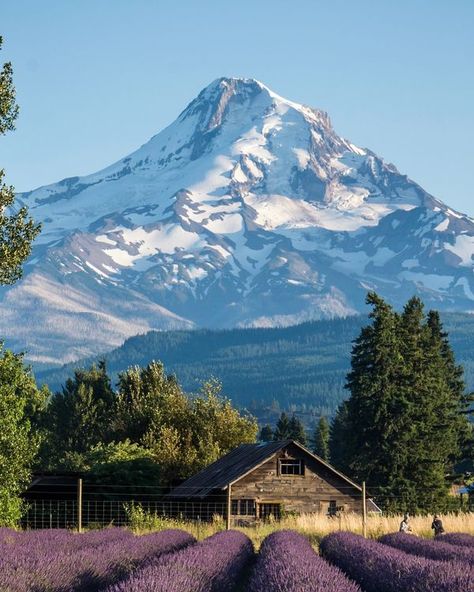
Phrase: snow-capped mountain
(248, 210)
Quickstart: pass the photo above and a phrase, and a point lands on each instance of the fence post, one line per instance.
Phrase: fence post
(364, 510)
(79, 505)
(229, 506)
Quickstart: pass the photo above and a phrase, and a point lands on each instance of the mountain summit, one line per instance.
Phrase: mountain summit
(248, 210)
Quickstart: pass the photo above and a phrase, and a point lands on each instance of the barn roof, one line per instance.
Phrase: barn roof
(235, 465)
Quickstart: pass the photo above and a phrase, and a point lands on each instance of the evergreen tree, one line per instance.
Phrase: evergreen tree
(282, 428)
(266, 434)
(321, 439)
(340, 439)
(17, 230)
(403, 423)
(297, 431)
(372, 381)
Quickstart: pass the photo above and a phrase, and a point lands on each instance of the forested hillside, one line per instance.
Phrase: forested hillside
(300, 368)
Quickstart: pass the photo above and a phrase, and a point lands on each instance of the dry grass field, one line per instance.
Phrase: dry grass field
(315, 526)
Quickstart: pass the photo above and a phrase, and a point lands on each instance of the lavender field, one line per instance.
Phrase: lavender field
(115, 560)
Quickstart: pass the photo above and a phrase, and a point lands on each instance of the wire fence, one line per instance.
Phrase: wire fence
(44, 513)
(66, 505)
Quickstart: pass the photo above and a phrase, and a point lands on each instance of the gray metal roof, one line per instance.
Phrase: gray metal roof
(235, 465)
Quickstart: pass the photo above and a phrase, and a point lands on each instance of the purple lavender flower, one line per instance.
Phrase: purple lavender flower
(213, 565)
(84, 563)
(439, 550)
(457, 538)
(380, 568)
(288, 563)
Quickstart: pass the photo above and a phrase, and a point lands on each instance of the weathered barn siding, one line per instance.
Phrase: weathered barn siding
(311, 492)
(259, 488)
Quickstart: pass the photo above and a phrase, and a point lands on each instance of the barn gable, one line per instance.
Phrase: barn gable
(273, 473)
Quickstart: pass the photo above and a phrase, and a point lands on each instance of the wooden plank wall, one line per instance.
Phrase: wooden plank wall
(310, 492)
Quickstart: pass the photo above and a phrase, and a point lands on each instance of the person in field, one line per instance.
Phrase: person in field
(405, 524)
(437, 525)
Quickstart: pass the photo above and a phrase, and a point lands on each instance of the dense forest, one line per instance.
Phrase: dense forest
(299, 369)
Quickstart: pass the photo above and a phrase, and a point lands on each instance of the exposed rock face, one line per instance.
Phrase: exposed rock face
(248, 210)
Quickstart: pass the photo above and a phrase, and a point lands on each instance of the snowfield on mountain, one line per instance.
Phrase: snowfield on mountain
(248, 210)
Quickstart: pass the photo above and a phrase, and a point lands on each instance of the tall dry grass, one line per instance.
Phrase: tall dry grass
(315, 526)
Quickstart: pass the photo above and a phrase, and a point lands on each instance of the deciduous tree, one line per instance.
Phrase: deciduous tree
(20, 403)
(17, 229)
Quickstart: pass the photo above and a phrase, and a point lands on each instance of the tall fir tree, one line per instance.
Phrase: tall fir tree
(282, 428)
(404, 421)
(320, 440)
(340, 435)
(297, 431)
(266, 434)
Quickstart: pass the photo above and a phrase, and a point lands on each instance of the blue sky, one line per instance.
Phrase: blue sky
(97, 78)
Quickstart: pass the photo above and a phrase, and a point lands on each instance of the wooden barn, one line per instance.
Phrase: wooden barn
(256, 481)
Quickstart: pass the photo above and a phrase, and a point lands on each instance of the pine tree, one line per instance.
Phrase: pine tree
(296, 430)
(340, 439)
(17, 230)
(374, 402)
(403, 424)
(321, 439)
(266, 434)
(282, 428)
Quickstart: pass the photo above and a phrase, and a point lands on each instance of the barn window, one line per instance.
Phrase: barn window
(243, 507)
(267, 511)
(291, 466)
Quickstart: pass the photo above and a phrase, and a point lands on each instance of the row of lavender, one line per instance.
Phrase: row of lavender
(402, 563)
(171, 561)
(59, 561)
(286, 563)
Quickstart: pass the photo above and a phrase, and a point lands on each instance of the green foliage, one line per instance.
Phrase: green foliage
(266, 434)
(340, 440)
(404, 422)
(320, 440)
(289, 429)
(17, 230)
(297, 431)
(78, 418)
(20, 404)
(124, 464)
(146, 398)
(148, 430)
(282, 428)
(298, 369)
(184, 433)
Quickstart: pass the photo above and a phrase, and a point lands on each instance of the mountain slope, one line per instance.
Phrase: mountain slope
(301, 367)
(248, 210)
